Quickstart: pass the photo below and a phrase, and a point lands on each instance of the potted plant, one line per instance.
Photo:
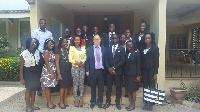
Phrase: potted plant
(178, 92)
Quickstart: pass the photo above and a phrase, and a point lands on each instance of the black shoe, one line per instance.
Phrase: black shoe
(92, 105)
(61, 107)
(149, 108)
(118, 106)
(54, 106)
(145, 106)
(99, 105)
(39, 93)
(106, 105)
(129, 109)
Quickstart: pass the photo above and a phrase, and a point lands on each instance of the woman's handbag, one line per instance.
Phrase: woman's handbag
(152, 95)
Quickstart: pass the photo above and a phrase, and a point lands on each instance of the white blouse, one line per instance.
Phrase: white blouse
(30, 59)
(146, 50)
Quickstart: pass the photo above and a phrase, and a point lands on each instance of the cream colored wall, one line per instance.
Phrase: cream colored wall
(46, 11)
(158, 26)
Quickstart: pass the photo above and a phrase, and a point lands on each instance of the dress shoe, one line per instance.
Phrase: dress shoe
(129, 109)
(92, 105)
(54, 106)
(61, 107)
(99, 105)
(81, 103)
(106, 105)
(75, 103)
(145, 106)
(149, 108)
(118, 106)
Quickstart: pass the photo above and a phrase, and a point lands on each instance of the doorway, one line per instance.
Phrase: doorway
(102, 20)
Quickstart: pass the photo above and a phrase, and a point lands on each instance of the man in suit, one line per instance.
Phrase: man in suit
(95, 70)
(107, 36)
(114, 60)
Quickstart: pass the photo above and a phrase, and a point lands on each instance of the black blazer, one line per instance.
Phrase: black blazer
(132, 66)
(118, 60)
(151, 58)
(90, 61)
(89, 41)
(140, 45)
(106, 40)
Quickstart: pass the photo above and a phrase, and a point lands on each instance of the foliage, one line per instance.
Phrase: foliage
(191, 94)
(18, 51)
(4, 46)
(10, 69)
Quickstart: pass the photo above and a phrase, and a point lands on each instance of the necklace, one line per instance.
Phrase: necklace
(64, 54)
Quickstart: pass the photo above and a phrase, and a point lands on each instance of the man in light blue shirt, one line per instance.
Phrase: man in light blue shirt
(41, 34)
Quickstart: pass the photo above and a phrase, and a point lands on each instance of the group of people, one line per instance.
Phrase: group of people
(103, 60)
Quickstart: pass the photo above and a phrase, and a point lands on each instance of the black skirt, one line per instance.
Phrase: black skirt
(65, 71)
(31, 76)
(130, 83)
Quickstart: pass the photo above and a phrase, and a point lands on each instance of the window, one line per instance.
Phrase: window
(3, 32)
(177, 41)
(24, 32)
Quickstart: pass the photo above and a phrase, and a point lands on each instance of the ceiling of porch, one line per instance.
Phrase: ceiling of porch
(179, 12)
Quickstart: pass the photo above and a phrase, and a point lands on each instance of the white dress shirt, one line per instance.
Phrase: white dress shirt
(41, 36)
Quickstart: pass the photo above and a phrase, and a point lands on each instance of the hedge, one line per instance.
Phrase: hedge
(10, 69)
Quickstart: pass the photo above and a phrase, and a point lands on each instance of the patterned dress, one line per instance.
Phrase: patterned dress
(45, 79)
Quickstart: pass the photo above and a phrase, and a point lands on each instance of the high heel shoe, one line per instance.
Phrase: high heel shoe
(66, 105)
(54, 106)
(82, 103)
(76, 105)
(61, 107)
(129, 109)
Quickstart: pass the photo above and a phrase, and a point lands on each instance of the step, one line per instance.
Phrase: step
(87, 97)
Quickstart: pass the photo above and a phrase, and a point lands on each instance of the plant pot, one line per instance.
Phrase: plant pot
(177, 92)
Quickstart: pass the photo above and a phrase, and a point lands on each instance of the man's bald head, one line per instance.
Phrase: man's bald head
(97, 40)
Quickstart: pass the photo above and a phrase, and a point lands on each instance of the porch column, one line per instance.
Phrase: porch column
(158, 26)
(34, 15)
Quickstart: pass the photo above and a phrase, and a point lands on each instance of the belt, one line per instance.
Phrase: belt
(98, 69)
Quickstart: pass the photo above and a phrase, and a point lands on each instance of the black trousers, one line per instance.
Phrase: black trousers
(41, 64)
(117, 80)
(147, 75)
(98, 76)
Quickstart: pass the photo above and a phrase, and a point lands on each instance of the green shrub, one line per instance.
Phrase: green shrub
(10, 69)
(191, 94)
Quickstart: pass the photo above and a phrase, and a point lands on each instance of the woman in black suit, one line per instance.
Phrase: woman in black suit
(149, 65)
(132, 74)
(140, 36)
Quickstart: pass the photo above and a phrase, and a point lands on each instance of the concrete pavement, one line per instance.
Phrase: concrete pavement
(12, 100)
